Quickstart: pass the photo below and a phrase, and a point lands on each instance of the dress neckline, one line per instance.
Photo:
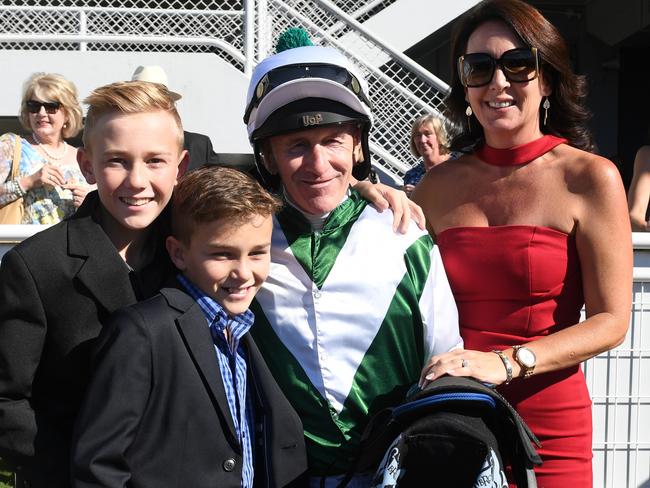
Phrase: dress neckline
(504, 228)
(518, 155)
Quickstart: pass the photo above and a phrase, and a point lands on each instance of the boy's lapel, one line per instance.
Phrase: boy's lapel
(101, 264)
(196, 335)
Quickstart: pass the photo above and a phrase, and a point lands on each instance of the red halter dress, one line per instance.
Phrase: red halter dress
(514, 284)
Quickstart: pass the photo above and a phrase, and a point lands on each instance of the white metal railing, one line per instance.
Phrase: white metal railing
(242, 32)
(619, 381)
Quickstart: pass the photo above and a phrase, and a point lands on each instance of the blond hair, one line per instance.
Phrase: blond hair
(129, 97)
(438, 129)
(51, 87)
(211, 193)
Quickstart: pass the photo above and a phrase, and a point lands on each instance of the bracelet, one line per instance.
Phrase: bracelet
(506, 363)
(19, 188)
(12, 187)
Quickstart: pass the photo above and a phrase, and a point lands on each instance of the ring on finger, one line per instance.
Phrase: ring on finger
(464, 363)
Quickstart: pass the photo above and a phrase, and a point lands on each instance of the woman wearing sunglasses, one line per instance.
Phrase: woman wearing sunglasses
(531, 225)
(47, 177)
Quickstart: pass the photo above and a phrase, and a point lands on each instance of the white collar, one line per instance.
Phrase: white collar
(317, 221)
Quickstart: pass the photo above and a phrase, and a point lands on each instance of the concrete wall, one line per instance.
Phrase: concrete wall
(214, 92)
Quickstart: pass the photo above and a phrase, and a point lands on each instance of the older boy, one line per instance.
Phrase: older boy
(351, 311)
(58, 287)
(181, 395)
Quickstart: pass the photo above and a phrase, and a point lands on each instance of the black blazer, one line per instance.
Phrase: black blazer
(57, 288)
(200, 148)
(156, 413)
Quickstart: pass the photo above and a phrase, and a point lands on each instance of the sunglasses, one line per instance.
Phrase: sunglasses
(34, 106)
(284, 74)
(518, 65)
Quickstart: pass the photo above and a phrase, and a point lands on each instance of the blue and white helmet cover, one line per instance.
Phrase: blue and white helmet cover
(304, 87)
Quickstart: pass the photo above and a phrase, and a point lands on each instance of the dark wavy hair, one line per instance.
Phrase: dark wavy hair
(567, 116)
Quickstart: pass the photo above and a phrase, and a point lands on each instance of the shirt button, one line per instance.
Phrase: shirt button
(317, 294)
(229, 464)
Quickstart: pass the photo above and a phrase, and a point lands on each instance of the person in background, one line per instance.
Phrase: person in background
(429, 142)
(58, 288)
(199, 146)
(639, 192)
(186, 347)
(531, 225)
(48, 177)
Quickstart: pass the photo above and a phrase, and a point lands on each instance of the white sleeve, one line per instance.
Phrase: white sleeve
(438, 309)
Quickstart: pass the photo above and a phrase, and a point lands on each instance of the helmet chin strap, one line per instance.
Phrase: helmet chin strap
(270, 181)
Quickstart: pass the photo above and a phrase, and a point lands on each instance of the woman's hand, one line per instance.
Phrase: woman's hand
(483, 366)
(383, 196)
(48, 175)
(79, 192)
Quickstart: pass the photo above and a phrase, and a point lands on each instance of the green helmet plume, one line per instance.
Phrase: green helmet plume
(292, 37)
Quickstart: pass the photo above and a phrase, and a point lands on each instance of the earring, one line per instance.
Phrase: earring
(468, 112)
(546, 105)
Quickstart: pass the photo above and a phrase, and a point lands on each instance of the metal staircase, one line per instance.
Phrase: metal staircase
(241, 32)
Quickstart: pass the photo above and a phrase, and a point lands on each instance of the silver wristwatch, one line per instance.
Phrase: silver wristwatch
(526, 359)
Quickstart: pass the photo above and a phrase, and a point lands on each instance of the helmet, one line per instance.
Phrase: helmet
(302, 88)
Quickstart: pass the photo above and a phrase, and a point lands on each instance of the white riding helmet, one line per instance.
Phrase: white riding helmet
(306, 87)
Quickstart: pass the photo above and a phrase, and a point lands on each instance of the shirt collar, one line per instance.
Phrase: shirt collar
(215, 314)
(316, 221)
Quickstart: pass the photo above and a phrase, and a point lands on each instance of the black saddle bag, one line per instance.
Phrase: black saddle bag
(455, 433)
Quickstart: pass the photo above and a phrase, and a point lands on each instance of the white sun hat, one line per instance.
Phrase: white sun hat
(154, 74)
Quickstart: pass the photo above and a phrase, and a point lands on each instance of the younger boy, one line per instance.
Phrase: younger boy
(180, 395)
(58, 287)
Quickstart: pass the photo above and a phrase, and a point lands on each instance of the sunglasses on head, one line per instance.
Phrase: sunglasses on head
(34, 106)
(518, 65)
(284, 74)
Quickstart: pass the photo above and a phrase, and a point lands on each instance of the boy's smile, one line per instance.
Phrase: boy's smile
(227, 261)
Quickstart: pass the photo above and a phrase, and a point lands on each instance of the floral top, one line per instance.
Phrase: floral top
(415, 174)
(43, 205)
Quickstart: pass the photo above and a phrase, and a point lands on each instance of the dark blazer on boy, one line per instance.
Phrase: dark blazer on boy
(57, 288)
(156, 413)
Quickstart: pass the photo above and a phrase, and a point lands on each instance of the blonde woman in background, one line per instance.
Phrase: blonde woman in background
(429, 142)
(49, 179)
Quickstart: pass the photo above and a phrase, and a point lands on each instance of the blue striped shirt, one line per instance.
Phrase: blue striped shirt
(232, 360)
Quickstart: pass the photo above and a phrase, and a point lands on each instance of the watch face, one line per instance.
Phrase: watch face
(526, 357)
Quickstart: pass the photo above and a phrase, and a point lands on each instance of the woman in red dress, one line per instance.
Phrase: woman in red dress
(530, 224)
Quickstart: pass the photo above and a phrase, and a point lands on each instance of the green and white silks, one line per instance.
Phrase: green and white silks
(346, 320)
